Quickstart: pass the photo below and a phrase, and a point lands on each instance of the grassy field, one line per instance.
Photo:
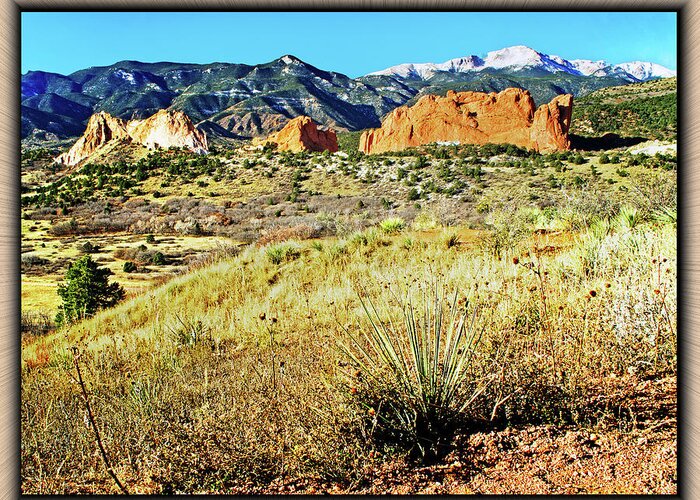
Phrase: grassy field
(312, 322)
(233, 377)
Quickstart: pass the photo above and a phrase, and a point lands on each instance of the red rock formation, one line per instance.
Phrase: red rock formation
(164, 129)
(301, 134)
(475, 118)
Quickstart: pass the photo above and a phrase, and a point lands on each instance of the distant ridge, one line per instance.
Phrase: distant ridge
(232, 100)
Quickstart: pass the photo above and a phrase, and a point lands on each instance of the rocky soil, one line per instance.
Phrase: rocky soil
(633, 452)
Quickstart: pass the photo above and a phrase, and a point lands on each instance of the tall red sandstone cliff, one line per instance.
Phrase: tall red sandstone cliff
(164, 129)
(302, 134)
(509, 117)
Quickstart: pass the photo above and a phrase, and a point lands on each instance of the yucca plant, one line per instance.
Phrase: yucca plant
(666, 215)
(451, 239)
(392, 225)
(627, 219)
(417, 377)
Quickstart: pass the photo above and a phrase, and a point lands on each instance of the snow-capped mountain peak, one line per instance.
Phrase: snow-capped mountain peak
(516, 56)
(521, 57)
(586, 67)
(646, 70)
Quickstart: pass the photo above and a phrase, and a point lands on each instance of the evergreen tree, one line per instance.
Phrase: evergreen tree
(86, 290)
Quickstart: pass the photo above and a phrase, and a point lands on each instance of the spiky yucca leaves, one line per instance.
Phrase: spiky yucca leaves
(417, 377)
(627, 219)
(283, 252)
(392, 225)
(666, 215)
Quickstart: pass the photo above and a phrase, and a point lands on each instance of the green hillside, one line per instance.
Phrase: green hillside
(648, 110)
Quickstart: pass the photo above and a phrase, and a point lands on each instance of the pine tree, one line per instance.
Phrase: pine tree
(86, 290)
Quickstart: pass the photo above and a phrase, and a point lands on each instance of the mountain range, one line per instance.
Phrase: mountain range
(242, 101)
(519, 59)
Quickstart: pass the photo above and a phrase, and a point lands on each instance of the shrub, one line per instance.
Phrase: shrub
(30, 259)
(158, 259)
(86, 291)
(283, 252)
(88, 247)
(578, 159)
(35, 323)
(129, 267)
(416, 377)
(64, 228)
(413, 194)
(138, 255)
(505, 232)
(392, 225)
(298, 232)
(150, 239)
(426, 220)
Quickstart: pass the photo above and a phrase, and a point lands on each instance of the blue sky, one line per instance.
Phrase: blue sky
(354, 43)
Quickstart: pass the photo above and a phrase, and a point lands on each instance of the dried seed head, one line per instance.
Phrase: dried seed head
(657, 291)
(516, 261)
(592, 293)
(371, 411)
(353, 390)
(262, 316)
(607, 285)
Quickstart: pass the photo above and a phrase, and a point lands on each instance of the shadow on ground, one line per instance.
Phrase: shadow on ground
(607, 141)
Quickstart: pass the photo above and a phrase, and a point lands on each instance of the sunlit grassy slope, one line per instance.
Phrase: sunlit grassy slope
(231, 375)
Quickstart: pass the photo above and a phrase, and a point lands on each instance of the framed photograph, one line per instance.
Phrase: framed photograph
(348, 251)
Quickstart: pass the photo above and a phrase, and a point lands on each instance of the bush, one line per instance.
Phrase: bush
(35, 323)
(88, 247)
(86, 291)
(29, 259)
(426, 220)
(283, 252)
(129, 267)
(298, 232)
(158, 259)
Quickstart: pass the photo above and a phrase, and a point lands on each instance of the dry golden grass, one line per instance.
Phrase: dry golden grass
(231, 376)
